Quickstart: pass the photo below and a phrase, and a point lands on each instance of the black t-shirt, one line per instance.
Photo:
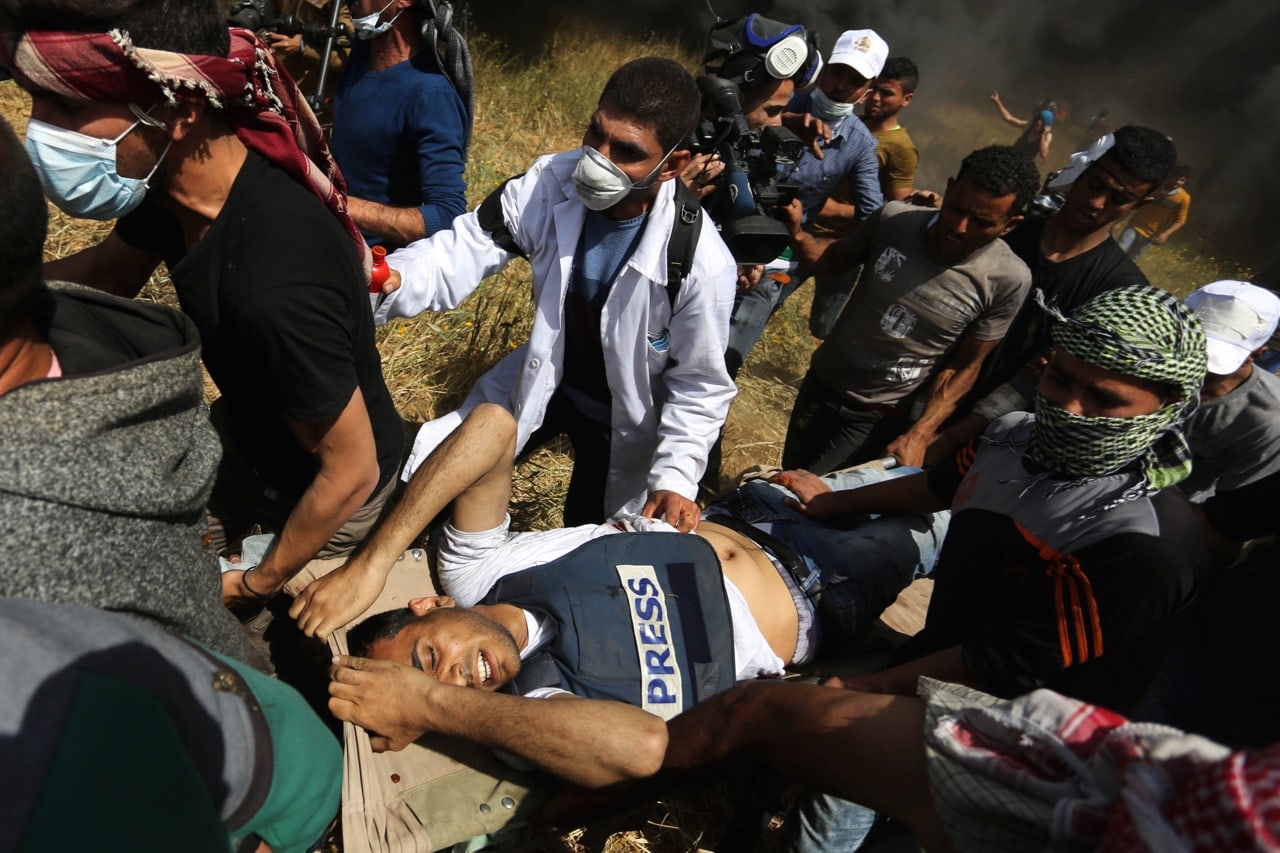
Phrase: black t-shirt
(1045, 584)
(1069, 284)
(275, 290)
(1248, 512)
(93, 332)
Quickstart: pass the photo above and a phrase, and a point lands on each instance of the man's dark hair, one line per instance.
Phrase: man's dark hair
(1002, 170)
(657, 93)
(903, 70)
(381, 626)
(22, 231)
(1180, 171)
(1145, 154)
(181, 26)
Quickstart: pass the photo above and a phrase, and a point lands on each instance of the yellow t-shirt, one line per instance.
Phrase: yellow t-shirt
(898, 158)
(1161, 212)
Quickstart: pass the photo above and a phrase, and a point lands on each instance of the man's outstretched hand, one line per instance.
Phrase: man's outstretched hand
(675, 509)
(330, 602)
(387, 699)
(805, 485)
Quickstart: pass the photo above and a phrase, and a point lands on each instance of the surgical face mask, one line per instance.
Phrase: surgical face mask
(601, 183)
(367, 26)
(79, 173)
(827, 109)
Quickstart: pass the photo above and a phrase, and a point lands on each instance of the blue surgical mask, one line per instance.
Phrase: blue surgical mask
(79, 174)
(367, 26)
(827, 109)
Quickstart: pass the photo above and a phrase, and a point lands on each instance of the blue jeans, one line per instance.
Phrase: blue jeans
(825, 823)
(862, 569)
(751, 313)
(1133, 243)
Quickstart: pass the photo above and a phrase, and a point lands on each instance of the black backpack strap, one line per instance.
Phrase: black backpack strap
(489, 215)
(684, 240)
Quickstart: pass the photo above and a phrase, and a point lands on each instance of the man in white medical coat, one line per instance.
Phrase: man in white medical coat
(631, 369)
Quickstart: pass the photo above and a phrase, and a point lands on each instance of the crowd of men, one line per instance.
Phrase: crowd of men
(1079, 458)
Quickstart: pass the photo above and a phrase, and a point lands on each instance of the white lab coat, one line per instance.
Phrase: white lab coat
(668, 405)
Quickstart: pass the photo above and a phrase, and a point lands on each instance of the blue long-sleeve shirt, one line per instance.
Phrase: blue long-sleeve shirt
(398, 136)
(851, 153)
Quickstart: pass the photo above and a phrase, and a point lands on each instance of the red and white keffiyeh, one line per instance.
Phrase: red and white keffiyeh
(1006, 774)
(264, 104)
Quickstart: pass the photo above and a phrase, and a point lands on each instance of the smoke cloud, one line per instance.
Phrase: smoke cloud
(1206, 74)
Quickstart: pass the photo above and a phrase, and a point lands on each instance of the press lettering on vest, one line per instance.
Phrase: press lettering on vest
(659, 667)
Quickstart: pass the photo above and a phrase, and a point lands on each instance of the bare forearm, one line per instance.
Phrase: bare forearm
(821, 255)
(836, 214)
(401, 224)
(909, 495)
(587, 742)
(111, 266)
(331, 499)
(945, 665)
(1010, 117)
(948, 390)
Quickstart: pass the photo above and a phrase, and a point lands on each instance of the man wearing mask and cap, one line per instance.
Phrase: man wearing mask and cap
(246, 208)
(626, 354)
(401, 124)
(848, 161)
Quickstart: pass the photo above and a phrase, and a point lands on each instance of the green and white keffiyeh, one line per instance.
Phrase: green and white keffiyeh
(1136, 331)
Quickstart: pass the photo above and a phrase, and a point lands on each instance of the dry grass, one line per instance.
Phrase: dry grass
(524, 109)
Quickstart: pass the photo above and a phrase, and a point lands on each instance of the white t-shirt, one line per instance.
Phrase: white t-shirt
(471, 563)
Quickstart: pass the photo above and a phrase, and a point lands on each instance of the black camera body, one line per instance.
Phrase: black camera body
(749, 190)
(258, 15)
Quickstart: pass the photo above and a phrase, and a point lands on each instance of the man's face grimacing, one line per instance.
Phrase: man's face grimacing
(765, 108)
(969, 219)
(1076, 386)
(456, 646)
(1102, 196)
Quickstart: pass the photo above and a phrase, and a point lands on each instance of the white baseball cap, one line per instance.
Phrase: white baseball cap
(1238, 317)
(862, 50)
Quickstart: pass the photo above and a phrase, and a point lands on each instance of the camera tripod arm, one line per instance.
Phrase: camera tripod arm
(316, 99)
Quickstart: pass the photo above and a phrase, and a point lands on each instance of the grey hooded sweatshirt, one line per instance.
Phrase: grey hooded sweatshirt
(104, 473)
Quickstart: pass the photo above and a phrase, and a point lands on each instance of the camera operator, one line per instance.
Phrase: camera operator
(401, 125)
(754, 66)
(847, 158)
(299, 46)
(298, 32)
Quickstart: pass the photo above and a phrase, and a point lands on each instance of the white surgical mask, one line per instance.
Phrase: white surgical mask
(78, 171)
(601, 183)
(825, 108)
(367, 26)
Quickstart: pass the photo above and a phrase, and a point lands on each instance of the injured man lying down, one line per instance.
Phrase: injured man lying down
(626, 623)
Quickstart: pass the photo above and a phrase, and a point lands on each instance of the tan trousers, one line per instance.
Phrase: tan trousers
(435, 792)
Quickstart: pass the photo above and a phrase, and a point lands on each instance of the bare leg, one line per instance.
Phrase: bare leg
(471, 468)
